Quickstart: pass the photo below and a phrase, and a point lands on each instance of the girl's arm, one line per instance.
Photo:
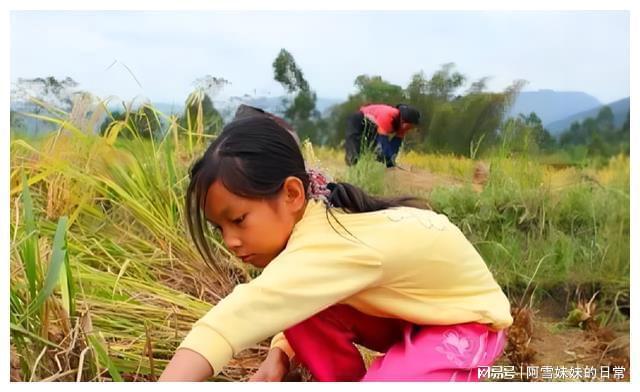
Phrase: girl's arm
(187, 365)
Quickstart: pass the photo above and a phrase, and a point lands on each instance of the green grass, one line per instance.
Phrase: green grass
(578, 234)
(105, 282)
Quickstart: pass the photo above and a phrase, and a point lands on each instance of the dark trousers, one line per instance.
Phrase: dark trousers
(388, 149)
(362, 136)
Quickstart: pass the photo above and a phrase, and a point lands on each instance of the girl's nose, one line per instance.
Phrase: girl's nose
(232, 241)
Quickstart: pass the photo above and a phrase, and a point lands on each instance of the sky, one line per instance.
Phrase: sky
(159, 54)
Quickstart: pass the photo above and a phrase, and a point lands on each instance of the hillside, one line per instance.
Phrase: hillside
(551, 105)
(620, 108)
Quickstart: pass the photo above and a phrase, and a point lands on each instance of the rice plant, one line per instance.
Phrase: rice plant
(105, 282)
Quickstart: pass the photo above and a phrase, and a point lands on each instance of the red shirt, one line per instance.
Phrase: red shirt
(384, 116)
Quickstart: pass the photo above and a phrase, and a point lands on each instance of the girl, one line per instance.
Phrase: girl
(340, 267)
(381, 128)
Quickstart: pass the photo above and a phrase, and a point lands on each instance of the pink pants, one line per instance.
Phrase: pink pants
(324, 344)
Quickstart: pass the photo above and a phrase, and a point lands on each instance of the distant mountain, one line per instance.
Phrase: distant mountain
(552, 105)
(619, 108)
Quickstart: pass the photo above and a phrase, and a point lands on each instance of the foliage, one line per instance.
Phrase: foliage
(98, 242)
(98, 245)
(200, 114)
(143, 122)
(525, 135)
(49, 89)
(301, 109)
(598, 134)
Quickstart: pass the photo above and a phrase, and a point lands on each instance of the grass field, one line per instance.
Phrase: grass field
(105, 282)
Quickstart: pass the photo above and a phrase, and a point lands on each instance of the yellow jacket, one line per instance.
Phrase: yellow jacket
(403, 262)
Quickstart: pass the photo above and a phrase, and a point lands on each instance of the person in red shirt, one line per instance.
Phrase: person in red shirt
(379, 128)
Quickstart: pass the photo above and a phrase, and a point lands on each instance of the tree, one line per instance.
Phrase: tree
(598, 135)
(112, 117)
(417, 93)
(144, 122)
(211, 85)
(624, 135)
(572, 136)
(48, 90)
(624, 131)
(604, 121)
(147, 122)
(301, 109)
(541, 136)
(443, 83)
(16, 122)
(374, 89)
(200, 115)
(418, 87)
(287, 72)
(596, 145)
(478, 86)
(525, 134)
(462, 124)
(468, 124)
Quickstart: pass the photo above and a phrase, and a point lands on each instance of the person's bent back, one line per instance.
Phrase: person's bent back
(379, 128)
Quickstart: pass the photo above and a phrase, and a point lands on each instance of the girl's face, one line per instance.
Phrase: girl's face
(255, 230)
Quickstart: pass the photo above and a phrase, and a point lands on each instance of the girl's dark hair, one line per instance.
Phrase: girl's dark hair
(252, 157)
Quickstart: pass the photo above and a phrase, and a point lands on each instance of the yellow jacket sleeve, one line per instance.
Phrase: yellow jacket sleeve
(282, 343)
(303, 280)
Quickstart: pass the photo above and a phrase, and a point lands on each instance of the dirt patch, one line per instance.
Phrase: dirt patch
(421, 180)
(412, 179)
(566, 353)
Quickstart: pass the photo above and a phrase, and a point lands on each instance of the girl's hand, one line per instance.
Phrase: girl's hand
(274, 368)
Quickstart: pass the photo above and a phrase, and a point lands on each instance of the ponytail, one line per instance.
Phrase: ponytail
(353, 199)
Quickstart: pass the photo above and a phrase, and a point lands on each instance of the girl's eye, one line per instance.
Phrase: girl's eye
(237, 221)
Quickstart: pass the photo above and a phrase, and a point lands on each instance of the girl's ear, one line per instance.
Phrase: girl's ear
(294, 193)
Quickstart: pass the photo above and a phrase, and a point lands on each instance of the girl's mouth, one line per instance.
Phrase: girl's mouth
(246, 258)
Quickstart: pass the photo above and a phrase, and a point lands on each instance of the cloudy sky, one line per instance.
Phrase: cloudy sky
(167, 51)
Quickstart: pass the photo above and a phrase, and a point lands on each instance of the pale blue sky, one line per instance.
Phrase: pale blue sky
(561, 50)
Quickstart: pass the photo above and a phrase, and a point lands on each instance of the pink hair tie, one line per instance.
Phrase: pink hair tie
(318, 182)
